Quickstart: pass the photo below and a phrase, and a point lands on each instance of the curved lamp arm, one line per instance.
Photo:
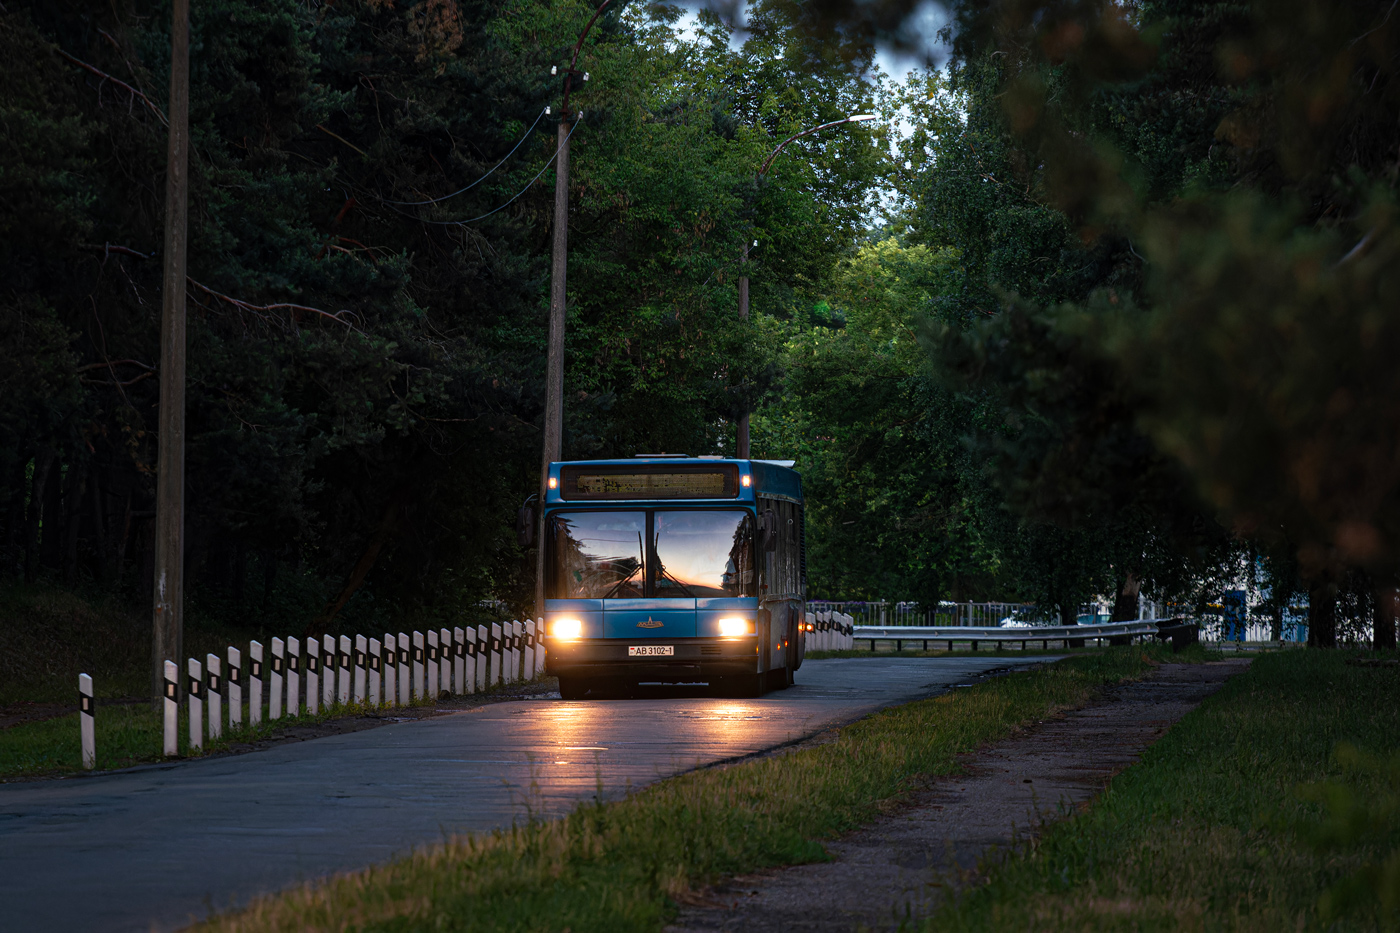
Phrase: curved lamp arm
(854, 118)
(578, 46)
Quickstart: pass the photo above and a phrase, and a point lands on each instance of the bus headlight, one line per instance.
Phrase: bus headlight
(734, 626)
(566, 629)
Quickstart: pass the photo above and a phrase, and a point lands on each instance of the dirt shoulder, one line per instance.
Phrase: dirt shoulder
(899, 868)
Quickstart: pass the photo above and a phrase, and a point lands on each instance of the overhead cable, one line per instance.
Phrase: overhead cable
(460, 223)
(483, 177)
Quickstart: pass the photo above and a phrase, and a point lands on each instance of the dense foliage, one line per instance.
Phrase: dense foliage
(367, 296)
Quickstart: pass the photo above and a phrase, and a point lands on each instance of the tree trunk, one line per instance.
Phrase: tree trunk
(51, 532)
(43, 465)
(1322, 616)
(1383, 624)
(1125, 605)
(388, 527)
(73, 520)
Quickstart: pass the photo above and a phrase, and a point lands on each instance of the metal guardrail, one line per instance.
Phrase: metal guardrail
(1041, 633)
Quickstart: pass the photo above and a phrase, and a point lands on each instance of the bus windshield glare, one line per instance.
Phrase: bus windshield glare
(693, 553)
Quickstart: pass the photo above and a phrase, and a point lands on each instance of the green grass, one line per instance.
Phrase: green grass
(1216, 827)
(49, 635)
(620, 866)
(127, 736)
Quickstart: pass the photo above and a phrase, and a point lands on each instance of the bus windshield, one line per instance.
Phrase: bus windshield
(693, 553)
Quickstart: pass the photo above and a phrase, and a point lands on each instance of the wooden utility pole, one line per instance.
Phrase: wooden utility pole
(554, 377)
(743, 445)
(168, 635)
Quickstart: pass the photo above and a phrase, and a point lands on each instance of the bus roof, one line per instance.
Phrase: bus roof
(765, 478)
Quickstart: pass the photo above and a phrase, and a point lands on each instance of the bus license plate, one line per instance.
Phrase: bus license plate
(650, 651)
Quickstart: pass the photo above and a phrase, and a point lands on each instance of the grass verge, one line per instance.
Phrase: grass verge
(131, 735)
(621, 866)
(1222, 824)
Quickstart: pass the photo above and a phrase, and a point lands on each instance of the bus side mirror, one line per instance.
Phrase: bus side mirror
(768, 530)
(525, 526)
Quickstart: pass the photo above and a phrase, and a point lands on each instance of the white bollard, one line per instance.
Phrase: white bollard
(294, 673)
(459, 662)
(345, 673)
(172, 709)
(539, 646)
(196, 705)
(483, 657)
(417, 665)
(513, 632)
(361, 655)
(216, 695)
(313, 677)
(86, 732)
(530, 639)
(469, 661)
(327, 671)
(391, 666)
(255, 679)
(376, 671)
(497, 654)
(274, 692)
(445, 660)
(405, 683)
(235, 688)
(430, 665)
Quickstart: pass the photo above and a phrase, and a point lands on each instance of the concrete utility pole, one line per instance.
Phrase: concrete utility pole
(168, 628)
(554, 376)
(743, 427)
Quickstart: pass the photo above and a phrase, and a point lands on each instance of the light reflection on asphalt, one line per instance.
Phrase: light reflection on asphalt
(130, 851)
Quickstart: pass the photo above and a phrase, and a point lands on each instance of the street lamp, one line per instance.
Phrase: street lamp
(743, 452)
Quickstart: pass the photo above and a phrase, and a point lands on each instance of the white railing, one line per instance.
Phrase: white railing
(885, 612)
(1045, 634)
(319, 675)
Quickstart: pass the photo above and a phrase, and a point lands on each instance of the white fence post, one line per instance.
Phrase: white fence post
(235, 688)
(459, 661)
(274, 694)
(483, 656)
(172, 709)
(539, 645)
(405, 682)
(294, 673)
(327, 671)
(513, 661)
(417, 666)
(216, 695)
(469, 666)
(376, 671)
(344, 673)
(361, 651)
(391, 664)
(430, 662)
(196, 706)
(313, 677)
(255, 679)
(530, 649)
(445, 660)
(497, 655)
(86, 732)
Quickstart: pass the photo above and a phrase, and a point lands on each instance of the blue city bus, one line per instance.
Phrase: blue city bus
(674, 570)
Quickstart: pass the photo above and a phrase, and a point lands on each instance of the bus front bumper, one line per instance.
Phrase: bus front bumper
(693, 659)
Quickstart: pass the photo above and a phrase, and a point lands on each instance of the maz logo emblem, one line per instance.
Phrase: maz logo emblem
(650, 623)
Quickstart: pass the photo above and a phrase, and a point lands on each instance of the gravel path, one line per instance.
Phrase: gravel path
(895, 870)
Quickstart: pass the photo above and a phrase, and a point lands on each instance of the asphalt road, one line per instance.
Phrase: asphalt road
(158, 847)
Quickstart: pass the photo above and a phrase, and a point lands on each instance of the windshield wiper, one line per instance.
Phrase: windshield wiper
(661, 570)
(623, 582)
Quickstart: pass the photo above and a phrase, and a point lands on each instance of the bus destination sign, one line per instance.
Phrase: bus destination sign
(669, 482)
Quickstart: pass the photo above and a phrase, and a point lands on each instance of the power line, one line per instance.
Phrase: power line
(460, 223)
(483, 177)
